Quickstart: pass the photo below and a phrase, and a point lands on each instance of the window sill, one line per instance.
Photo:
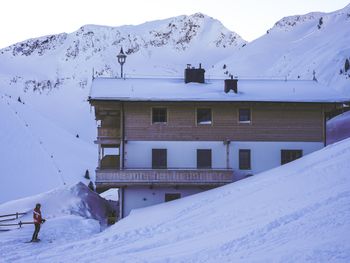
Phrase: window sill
(245, 122)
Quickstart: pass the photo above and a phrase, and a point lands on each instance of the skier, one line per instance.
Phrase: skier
(38, 220)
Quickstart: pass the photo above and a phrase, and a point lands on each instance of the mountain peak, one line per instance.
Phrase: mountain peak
(290, 22)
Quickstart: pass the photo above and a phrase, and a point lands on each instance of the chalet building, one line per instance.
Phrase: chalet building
(163, 139)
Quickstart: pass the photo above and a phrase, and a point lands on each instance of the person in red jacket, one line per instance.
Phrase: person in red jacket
(38, 220)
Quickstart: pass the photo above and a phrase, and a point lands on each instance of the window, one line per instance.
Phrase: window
(159, 158)
(171, 197)
(204, 158)
(159, 115)
(244, 159)
(204, 116)
(290, 155)
(244, 115)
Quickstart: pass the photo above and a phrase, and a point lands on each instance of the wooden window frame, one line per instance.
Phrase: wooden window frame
(154, 164)
(250, 117)
(290, 151)
(211, 159)
(167, 115)
(241, 163)
(211, 116)
(174, 196)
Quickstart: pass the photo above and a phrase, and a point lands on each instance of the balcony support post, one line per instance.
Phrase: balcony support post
(99, 156)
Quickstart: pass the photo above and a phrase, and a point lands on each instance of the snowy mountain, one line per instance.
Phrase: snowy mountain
(298, 47)
(298, 212)
(165, 46)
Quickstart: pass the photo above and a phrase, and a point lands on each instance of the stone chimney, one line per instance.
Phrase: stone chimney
(194, 74)
(231, 84)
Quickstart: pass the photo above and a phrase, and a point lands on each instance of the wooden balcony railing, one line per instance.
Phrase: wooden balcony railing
(105, 177)
(106, 132)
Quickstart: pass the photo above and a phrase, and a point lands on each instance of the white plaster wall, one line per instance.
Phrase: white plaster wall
(138, 154)
(138, 197)
(267, 155)
(183, 154)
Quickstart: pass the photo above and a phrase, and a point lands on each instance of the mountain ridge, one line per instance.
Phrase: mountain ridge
(310, 46)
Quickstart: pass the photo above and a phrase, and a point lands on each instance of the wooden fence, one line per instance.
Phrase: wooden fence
(13, 217)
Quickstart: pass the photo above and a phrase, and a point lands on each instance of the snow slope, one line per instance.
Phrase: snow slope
(36, 154)
(296, 47)
(338, 128)
(295, 213)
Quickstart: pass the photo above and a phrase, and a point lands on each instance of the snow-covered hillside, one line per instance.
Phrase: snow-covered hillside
(36, 154)
(296, 47)
(338, 128)
(295, 213)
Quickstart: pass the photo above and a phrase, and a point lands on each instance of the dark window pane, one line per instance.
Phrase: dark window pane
(204, 158)
(290, 155)
(204, 116)
(159, 158)
(159, 115)
(244, 159)
(244, 115)
(171, 197)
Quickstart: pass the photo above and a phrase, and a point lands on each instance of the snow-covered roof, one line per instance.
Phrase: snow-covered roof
(165, 89)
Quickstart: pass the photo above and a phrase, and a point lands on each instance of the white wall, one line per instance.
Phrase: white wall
(183, 154)
(138, 154)
(267, 155)
(138, 197)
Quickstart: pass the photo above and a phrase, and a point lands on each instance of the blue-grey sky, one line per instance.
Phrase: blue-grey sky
(23, 19)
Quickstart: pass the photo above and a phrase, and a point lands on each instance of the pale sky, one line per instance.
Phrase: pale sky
(23, 19)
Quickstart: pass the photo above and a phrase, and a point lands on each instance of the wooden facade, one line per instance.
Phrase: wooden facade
(132, 121)
(270, 122)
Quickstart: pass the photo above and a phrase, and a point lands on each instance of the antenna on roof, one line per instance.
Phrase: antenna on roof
(93, 73)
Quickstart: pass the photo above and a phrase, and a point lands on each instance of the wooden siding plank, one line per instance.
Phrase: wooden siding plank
(270, 122)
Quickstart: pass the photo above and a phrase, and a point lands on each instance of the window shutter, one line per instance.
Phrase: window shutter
(159, 158)
(244, 159)
(204, 158)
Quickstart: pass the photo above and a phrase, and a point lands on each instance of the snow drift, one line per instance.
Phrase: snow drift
(76, 200)
(338, 128)
(71, 213)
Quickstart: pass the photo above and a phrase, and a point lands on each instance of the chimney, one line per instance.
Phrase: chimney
(194, 74)
(231, 84)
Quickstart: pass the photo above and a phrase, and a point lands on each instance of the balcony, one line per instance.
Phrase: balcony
(117, 178)
(108, 135)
